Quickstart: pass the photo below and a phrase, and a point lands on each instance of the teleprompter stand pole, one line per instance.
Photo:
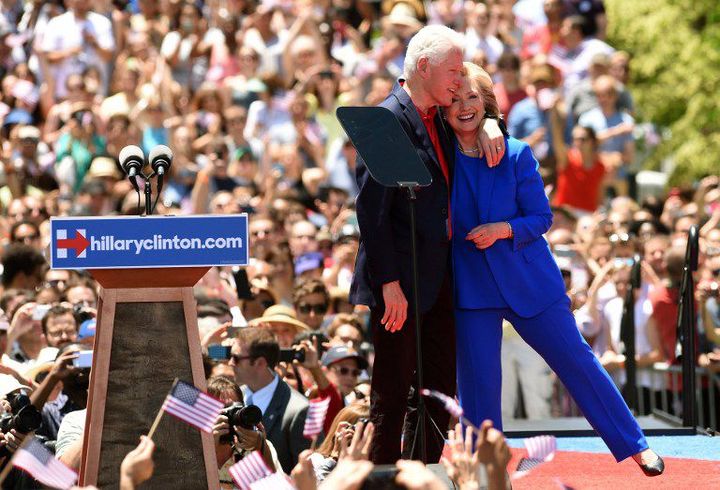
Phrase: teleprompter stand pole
(420, 433)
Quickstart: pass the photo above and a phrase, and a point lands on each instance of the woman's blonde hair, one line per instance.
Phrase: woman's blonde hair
(481, 81)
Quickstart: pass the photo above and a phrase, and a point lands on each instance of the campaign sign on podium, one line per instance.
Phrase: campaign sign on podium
(147, 335)
(154, 241)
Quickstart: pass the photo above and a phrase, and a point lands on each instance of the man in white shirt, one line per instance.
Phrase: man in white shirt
(75, 41)
(479, 38)
(573, 58)
(254, 355)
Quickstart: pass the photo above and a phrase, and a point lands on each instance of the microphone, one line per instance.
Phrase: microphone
(132, 160)
(160, 159)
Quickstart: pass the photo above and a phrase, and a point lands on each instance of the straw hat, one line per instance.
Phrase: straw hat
(403, 14)
(280, 314)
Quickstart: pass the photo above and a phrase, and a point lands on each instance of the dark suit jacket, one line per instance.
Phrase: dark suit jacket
(384, 219)
(284, 421)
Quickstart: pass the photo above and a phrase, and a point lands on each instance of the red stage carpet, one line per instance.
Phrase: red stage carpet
(582, 471)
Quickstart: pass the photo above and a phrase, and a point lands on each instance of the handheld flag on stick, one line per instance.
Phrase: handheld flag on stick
(451, 405)
(249, 470)
(33, 458)
(541, 449)
(276, 481)
(190, 405)
(316, 417)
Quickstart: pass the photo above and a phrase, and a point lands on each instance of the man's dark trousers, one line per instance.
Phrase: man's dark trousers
(395, 361)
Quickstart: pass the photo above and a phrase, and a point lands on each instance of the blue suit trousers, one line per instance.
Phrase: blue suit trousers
(554, 335)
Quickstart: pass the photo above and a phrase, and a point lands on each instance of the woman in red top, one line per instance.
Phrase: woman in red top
(580, 173)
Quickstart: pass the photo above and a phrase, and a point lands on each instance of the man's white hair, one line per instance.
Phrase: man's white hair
(432, 42)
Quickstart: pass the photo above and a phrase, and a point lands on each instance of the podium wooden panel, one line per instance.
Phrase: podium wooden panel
(146, 336)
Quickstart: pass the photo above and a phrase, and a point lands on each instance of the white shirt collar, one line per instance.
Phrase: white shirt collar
(262, 397)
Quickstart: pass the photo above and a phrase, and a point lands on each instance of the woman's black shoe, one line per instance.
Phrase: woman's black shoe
(653, 469)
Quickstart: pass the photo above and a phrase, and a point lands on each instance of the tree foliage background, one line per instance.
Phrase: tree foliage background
(675, 77)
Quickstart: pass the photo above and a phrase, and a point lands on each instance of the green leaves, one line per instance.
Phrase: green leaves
(675, 77)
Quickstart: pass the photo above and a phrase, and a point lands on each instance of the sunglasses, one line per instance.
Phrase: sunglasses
(317, 308)
(359, 395)
(237, 358)
(344, 371)
(619, 237)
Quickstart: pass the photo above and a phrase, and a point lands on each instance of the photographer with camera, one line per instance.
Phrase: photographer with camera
(238, 429)
(254, 355)
(18, 418)
(75, 380)
(324, 388)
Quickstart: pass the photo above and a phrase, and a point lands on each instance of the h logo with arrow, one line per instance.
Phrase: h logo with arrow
(79, 243)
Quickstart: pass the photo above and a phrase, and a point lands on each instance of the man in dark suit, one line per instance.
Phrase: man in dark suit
(383, 272)
(253, 358)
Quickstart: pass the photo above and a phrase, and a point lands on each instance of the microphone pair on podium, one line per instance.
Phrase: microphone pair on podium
(132, 160)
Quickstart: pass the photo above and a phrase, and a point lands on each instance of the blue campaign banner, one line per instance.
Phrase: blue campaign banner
(153, 241)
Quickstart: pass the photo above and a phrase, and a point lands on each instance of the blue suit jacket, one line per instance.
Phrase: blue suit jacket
(523, 267)
(384, 219)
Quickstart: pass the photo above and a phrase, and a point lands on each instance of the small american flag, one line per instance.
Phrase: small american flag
(316, 417)
(276, 481)
(42, 465)
(452, 406)
(541, 447)
(540, 450)
(192, 406)
(249, 470)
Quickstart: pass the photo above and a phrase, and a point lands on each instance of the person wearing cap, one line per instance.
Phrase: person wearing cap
(34, 158)
(23, 173)
(344, 366)
(383, 271)
(309, 266)
(283, 323)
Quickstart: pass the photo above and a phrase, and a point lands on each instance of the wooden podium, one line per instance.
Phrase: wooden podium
(146, 336)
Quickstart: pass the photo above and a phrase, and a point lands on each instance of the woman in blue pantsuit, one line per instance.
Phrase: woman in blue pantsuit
(503, 269)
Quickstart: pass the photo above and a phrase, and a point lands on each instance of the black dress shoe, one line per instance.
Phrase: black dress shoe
(653, 469)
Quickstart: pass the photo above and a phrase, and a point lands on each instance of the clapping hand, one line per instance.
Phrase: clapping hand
(490, 449)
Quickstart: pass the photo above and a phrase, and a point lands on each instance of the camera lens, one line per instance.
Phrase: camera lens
(248, 417)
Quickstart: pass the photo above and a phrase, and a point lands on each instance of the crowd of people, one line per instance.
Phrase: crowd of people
(244, 92)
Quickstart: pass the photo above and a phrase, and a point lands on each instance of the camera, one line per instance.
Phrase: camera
(81, 313)
(241, 415)
(290, 355)
(25, 418)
